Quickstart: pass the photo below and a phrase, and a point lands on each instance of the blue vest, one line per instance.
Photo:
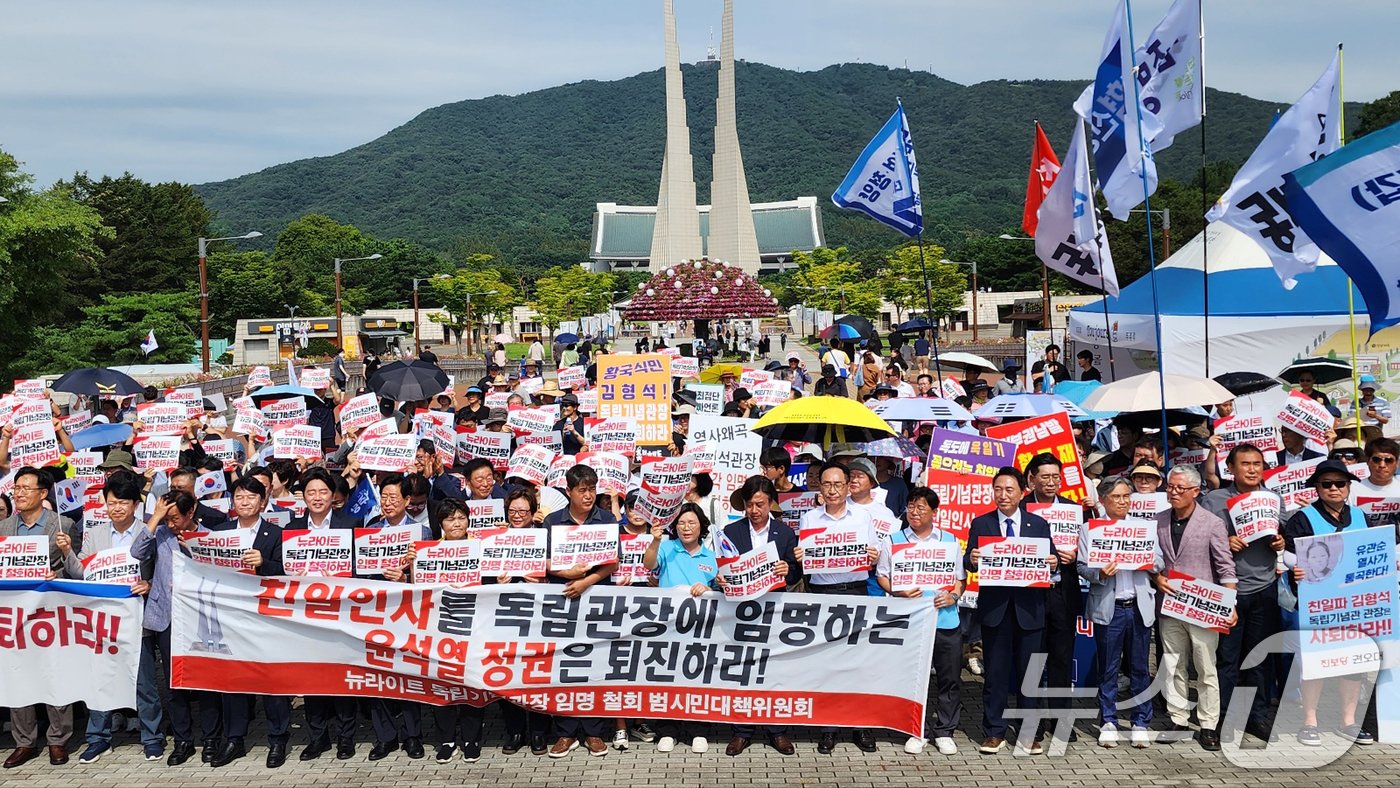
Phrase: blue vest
(1320, 526)
(947, 616)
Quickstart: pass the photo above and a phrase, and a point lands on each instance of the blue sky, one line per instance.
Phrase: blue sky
(199, 91)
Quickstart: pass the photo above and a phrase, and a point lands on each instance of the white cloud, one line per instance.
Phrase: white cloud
(203, 91)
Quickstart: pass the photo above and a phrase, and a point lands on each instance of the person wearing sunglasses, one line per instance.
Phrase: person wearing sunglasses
(1329, 514)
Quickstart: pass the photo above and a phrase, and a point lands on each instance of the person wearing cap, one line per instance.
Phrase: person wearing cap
(570, 425)
(1195, 543)
(1010, 382)
(1371, 410)
(743, 401)
(117, 459)
(882, 392)
(797, 372)
(1257, 601)
(1329, 514)
(978, 390)
(495, 420)
(831, 383)
(1346, 451)
(473, 406)
(757, 498)
(836, 511)
(680, 427)
(1146, 479)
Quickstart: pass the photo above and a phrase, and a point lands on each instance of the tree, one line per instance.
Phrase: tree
(112, 332)
(48, 248)
(568, 293)
(305, 253)
(471, 293)
(902, 282)
(242, 286)
(155, 232)
(1378, 114)
(827, 279)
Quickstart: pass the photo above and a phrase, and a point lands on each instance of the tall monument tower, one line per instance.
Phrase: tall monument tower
(732, 237)
(676, 235)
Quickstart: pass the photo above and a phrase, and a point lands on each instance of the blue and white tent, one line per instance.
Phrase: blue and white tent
(1255, 324)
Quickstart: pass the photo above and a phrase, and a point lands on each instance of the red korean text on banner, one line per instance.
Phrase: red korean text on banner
(1046, 435)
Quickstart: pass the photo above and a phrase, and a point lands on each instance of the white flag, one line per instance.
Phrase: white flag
(1254, 203)
(1114, 115)
(884, 182)
(1070, 237)
(1169, 76)
(150, 344)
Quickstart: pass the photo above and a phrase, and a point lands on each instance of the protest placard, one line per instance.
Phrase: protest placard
(456, 563)
(959, 452)
(750, 378)
(360, 412)
(1065, 519)
(259, 376)
(1129, 543)
(324, 552)
(709, 397)
(380, 549)
(558, 468)
(1254, 515)
(834, 548)
(24, 557)
(582, 545)
(573, 378)
(1147, 506)
(750, 576)
(223, 549)
(614, 470)
(664, 486)
(1291, 482)
(587, 401)
(736, 451)
(685, 367)
(552, 440)
(630, 550)
(637, 387)
(772, 393)
(379, 429)
(492, 446)
(796, 504)
(884, 527)
(514, 552)
(251, 423)
(531, 463)
(300, 442)
(36, 445)
(77, 421)
(485, 514)
(162, 418)
(1346, 602)
(617, 435)
(961, 497)
(1046, 435)
(1253, 428)
(951, 388)
(30, 388)
(1013, 562)
(702, 457)
(924, 566)
(526, 420)
(1198, 602)
(95, 512)
(157, 452)
(391, 453)
(282, 413)
(1306, 416)
(1380, 507)
(314, 378)
(84, 464)
(191, 397)
(113, 565)
(225, 451)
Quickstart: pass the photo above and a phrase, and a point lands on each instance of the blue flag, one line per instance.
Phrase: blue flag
(884, 181)
(362, 501)
(1349, 205)
(1115, 113)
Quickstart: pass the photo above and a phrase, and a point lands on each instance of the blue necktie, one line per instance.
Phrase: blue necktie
(1010, 528)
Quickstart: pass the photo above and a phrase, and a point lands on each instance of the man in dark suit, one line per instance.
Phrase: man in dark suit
(1012, 619)
(757, 499)
(1064, 602)
(264, 556)
(326, 717)
(1295, 448)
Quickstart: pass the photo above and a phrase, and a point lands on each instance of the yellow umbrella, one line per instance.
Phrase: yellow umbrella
(824, 420)
(714, 372)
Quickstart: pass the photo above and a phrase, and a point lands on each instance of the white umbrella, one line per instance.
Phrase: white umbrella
(962, 360)
(1144, 392)
(1021, 406)
(920, 409)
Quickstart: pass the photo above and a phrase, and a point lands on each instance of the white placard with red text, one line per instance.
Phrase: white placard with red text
(1013, 562)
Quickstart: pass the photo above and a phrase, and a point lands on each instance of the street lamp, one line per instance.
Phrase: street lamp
(204, 292)
(975, 313)
(417, 342)
(1044, 281)
(339, 333)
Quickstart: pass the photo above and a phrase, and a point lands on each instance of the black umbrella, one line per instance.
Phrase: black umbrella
(862, 326)
(99, 382)
(408, 381)
(1324, 370)
(914, 326)
(1153, 418)
(1242, 384)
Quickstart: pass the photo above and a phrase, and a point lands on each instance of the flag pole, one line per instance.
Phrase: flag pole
(1205, 198)
(1351, 299)
(928, 302)
(1147, 209)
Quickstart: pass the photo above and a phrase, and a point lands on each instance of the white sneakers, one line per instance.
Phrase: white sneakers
(914, 746)
(1108, 735)
(1141, 737)
(666, 744)
(974, 666)
(619, 742)
(699, 744)
(946, 745)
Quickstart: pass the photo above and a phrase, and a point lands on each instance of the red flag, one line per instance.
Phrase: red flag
(1044, 167)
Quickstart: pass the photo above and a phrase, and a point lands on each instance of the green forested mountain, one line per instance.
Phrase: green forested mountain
(517, 176)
